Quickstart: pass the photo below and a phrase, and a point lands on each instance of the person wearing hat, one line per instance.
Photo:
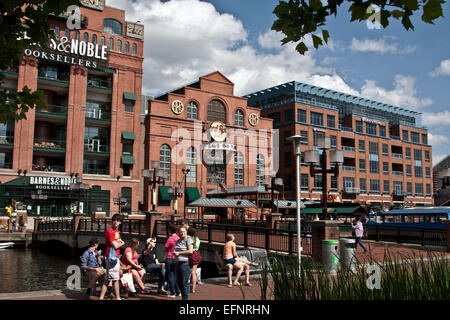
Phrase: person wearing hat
(152, 265)
(91, 265)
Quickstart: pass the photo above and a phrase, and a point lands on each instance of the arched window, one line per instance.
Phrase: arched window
(134, 49)
(216, 111)
(239, 169)
(85, 37)
(119, 46)
(111, 44)
(77, 35)
(192, 110)
(127, 47)
(112, 26)
(165, 159)
(191, 164)
(127, 194)
(102, 41)
(239, 118)
(94, 39)
(260, 164)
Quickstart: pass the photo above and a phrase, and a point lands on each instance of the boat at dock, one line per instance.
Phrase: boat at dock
(5, 245)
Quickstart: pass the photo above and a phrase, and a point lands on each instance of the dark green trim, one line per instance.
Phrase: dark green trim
(163, 193)
(192, 194)
(126, 159)
(130, 96)
(128, 135)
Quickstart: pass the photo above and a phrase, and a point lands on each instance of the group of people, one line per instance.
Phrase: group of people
(179, 268)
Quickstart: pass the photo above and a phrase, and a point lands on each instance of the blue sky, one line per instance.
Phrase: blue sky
(185, 39)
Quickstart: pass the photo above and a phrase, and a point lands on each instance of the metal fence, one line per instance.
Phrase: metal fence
(246, 236)
(433, 237)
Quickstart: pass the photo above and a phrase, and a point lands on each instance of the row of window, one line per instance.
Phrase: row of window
(215, 112)
(216, 172)
(349, 186)
(414, 136)
(117, 47)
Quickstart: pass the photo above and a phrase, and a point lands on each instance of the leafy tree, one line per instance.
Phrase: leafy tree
(24, 24)
(298, 18)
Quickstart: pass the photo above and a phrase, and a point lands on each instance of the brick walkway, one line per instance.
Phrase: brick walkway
(216, 289)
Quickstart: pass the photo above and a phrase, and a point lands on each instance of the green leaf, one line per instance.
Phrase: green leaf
(397, 14)
(411, 4)
(325, 35)
(301, 48)
(315, 4)
(317, 41)
(432, 10)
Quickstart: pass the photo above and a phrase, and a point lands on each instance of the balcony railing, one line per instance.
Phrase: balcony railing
(98, 170)
(348, 149)
(98, 114)
(397, 173)
(349, 169)
(96, 147)
(99, 83)
(5, 165)
(53, 75)
(348, 129)
(8, 139)
(49, 144)
(400, 193)
(351, 190)
(395, 137)
(48, 168)
(397, 156)
(53, 109)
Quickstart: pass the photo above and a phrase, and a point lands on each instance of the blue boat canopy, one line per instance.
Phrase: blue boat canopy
(420, 211)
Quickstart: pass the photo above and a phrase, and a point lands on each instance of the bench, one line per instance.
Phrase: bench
(258, 256)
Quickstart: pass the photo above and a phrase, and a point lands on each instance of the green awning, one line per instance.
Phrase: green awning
(164, 193)
(128, 135)
(192, 194)
(346, 210)
(129, 96)
(126, 159)
(315, 210)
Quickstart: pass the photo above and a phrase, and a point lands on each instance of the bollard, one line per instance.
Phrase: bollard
(330, 257)
(348, 252)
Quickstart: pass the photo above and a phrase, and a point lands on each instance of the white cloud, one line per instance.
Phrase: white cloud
(403, 94)
(443, 69)
(438, 158)
(380, 46)
(432, 119)
(436, 139)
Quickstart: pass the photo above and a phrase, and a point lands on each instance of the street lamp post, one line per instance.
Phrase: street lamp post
(80, 186)
(120, 201)
(336, 159)
(177, 193)
(185, 173)
(273, 183)
(297, 139)
(154, 177)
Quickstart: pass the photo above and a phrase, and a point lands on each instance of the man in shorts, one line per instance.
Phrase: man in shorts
(112, 242)
(91, 264)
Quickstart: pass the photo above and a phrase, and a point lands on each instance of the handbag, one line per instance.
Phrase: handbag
(127, 281)
(112, 257)
(195, 258)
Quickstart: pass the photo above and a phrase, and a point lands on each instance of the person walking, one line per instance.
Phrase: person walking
(169, 261)
(184, 247)
(113, 241)
(359, 233)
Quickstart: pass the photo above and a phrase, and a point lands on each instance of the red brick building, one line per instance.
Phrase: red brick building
(387, 158)
(184, 126)
(92, 81)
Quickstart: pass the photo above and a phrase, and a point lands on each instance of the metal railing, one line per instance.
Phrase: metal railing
(352, 190)
(397, 173)
(8, 139)
(245, 236)
(420, 236)
(397, 156)
(97, 114)
(53, 75)
(47, 143)
(53, 109)
(348, 129)
(348, 149)
(99, 83)
(96, 147)
(348, 169)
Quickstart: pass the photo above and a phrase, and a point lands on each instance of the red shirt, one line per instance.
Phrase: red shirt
(134, 257)
(110, 236)
(170, 246)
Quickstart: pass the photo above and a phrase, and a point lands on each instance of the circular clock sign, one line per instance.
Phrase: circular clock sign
(253, 119)
(177, 107)
(218, 131)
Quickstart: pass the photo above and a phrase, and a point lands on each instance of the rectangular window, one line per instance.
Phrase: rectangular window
(405, 135)
(129, 105)
(408, 170)
(408, 153)
(386, 167)
(398, 187)
(427, 156)
(418, 171)
(362, 146)
(304, 182)
(385, 186)
(419, 189)
(409, 188)
(333, 142)
(362, 165)
(415, 137)
(304, 134)
(289, 115)
(424, 138)
(385, 149)
(371, 128)
(382, 131)
(216, 173)
(373, 148)
(334, 183)
(127, 146)
(317, 135)
(359, 126)
(362, 185)
(374, 166)
(301, 115)
(318, 182)
(374, 186)
(428, 189)
(427, 172)
(316, 118)
(276, 118)
(330, 121)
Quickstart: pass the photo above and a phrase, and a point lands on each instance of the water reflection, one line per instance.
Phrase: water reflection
(32, 269)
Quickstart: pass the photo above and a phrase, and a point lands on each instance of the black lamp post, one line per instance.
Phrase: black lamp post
(336, 159)
(185, 173)
(273, 183)
(154, 177)
(177, 192)
(80, 186)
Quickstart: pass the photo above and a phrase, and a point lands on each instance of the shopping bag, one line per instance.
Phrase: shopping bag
(112, 257)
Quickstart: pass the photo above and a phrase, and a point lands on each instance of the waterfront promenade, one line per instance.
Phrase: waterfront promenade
(216, 289)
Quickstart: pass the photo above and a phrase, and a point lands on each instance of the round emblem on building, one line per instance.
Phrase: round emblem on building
(177, 107)
(253, 119)
(218, 131)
